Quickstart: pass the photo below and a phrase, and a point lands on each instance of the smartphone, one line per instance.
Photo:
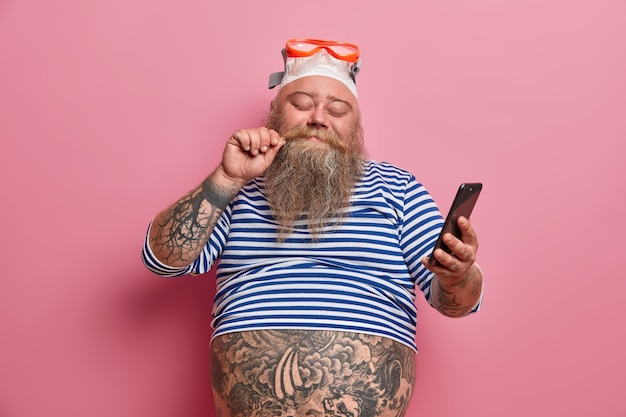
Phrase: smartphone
(462, 205)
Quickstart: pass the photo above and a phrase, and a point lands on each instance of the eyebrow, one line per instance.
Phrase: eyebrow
(315, 95)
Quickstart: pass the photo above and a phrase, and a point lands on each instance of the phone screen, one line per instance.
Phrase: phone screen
(463, 204)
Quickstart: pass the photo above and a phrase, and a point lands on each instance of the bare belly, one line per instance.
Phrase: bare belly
(295, 373)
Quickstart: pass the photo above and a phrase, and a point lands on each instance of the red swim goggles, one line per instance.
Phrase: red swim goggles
(302, 47)
(307, 47)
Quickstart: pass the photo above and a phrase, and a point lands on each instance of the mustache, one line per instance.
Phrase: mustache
(303, 132)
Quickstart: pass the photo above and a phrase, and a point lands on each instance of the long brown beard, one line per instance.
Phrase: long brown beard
(310, 181)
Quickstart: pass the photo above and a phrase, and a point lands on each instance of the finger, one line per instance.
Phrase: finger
(446, 268)
(256, 140)
(262, 139)
(275, 138)
(269, 139)
(242, 139)
(460, 250)
(437, 268)
(259, 140)
(271, 153)
(465, 255)
(468, 235)
(450, 261)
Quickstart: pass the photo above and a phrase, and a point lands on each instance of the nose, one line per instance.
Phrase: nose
(318, 119)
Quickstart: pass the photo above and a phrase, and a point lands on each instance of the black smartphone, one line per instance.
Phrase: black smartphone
(462, 205)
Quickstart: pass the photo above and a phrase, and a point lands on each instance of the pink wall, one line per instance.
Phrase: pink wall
(109, 110)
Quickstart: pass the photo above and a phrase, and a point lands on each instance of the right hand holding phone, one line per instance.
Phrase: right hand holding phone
(453, 267)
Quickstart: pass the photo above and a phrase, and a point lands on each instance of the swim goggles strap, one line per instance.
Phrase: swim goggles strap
(277, 77)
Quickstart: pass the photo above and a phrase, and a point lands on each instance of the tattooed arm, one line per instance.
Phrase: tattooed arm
(459, 298)
(457, 287)
(179, 233)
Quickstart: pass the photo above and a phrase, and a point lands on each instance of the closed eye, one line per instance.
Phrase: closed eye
(301, 101)
(302, 107)
(337, 113)
(338, 109)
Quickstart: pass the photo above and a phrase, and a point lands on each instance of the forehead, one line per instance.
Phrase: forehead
(319, 87)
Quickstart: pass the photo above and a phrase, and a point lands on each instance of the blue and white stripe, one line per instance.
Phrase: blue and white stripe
(359, 276)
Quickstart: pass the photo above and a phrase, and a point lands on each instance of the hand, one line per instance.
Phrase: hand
(454, 266)
(249, 152)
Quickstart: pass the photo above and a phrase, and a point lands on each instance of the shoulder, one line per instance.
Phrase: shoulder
(373, 167)
(394, 180)
(389, 174)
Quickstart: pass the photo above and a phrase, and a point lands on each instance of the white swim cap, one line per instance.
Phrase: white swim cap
(320, 63)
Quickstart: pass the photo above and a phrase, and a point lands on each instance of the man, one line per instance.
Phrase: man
(320, 251)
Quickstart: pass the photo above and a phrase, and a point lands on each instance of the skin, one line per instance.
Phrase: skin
(300, 373)
(318, 102)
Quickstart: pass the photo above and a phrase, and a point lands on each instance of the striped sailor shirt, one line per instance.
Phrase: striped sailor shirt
(358, 276)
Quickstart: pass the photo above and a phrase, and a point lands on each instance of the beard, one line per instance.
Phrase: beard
(310, 183)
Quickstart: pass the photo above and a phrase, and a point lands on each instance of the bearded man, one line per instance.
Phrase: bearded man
(320, 250)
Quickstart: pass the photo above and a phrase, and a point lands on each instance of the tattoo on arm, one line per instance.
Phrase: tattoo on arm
(184, 228)
(448, 303)
(448, 299)
(216, 196)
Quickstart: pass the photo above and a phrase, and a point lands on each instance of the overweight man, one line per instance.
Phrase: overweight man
(319, 253)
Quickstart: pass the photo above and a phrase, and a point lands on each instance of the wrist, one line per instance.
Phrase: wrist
(467, 291)
(449, 283)
(219, 189)
(223, 180)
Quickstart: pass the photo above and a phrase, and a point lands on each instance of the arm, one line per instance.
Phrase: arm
(458, 283)
(179, 233)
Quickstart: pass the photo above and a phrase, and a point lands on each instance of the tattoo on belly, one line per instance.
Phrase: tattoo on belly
(281, 373)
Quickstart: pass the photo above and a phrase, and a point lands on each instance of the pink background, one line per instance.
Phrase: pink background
(109, 110)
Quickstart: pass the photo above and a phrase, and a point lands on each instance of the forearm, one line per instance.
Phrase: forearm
(179, 233)
(458, 299)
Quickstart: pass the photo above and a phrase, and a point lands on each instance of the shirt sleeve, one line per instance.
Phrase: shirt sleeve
(420, 226)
